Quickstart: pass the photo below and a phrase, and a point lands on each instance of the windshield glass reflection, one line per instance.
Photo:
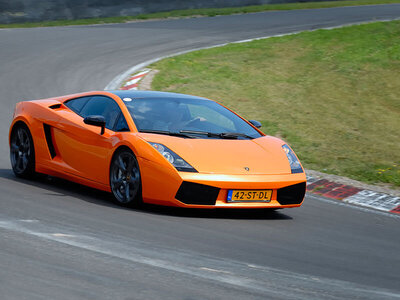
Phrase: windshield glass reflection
(175, 115)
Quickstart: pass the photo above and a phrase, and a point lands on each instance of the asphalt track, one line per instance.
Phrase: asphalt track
(59, 240)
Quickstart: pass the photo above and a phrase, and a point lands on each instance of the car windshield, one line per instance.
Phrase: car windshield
(188, 117)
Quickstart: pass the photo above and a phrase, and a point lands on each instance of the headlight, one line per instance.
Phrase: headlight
(178, 162)
(295, 165)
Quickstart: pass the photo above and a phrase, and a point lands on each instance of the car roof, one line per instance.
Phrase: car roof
(152, 94)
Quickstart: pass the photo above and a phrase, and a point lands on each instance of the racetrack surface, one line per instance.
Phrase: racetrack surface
(60, 240)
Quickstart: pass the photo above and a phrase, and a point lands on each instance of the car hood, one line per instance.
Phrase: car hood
(263, 155)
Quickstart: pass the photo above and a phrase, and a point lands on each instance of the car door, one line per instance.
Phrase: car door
(83, 150)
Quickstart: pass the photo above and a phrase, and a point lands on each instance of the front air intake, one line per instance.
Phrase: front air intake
(292, 194)
(195, 193)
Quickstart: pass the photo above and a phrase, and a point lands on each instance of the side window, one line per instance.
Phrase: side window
(77, 104)
(103, 106)
(121, 124)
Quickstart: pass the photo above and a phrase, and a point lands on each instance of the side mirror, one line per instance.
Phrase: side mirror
(99, 121)
(255, 123)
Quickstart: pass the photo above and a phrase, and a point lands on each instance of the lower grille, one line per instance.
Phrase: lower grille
(195, 193)
(292, 194)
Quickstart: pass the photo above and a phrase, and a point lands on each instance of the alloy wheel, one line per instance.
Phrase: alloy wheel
(22, 152)
(125, 178)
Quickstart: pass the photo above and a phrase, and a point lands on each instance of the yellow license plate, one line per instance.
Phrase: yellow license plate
(249, 195)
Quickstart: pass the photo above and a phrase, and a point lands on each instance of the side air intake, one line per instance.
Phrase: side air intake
(55, 106)
(49, 140)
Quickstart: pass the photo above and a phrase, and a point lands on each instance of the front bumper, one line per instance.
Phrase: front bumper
(211, 190)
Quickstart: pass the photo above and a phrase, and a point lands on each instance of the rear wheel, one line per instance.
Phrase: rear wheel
(125, 179)
(22, 152)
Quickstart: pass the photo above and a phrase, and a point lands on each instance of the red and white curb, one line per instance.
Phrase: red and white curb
(133, 81)
(353, 195)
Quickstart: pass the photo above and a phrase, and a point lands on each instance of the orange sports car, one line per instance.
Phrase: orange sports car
(154, 147)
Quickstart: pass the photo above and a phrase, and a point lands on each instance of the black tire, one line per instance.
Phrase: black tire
(22, 152)
(125, 180)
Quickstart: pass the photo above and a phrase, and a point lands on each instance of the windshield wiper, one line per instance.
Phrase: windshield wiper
(230, 135)
(179, 134)
(222, 135)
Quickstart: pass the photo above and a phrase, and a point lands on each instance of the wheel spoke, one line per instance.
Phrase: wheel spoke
(136, 173)
(127, 191)
(19, 162)
(117, 183)
(135, 189)
(129, 165)
(14, 148)
(135, 181)
(132, 180)
(24, 161)
(121, 164)
(26, 144)
(20, 136)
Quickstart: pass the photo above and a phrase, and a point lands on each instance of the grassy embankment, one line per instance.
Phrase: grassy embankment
(201, 12)
(334, 95)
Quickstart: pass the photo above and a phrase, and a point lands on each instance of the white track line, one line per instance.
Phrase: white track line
(240, 275)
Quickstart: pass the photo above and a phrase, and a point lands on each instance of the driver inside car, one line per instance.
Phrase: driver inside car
(175, 117)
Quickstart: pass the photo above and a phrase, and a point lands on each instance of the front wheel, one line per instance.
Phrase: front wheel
(22, 152)
(125, 181)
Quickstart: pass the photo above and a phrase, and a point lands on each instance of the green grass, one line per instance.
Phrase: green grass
(334, 95)
(201, 12)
